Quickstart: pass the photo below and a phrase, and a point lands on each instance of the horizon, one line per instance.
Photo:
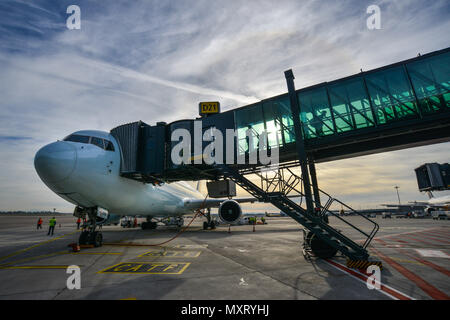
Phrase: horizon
(155, 62)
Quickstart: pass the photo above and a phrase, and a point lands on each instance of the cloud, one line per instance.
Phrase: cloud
(13, 138)
(154, 61)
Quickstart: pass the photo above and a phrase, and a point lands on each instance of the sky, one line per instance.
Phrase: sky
(155, 60)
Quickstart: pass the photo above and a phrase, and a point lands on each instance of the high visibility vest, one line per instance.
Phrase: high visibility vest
(52, 222)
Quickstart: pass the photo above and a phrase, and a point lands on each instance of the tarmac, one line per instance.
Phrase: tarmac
(220, 264)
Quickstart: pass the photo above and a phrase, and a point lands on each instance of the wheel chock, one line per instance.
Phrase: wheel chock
(84, 246)
(75, 247)
(363, 264)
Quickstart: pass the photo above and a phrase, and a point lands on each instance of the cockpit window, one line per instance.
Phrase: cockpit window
(97, 142)
(77, 138)
(109, 146)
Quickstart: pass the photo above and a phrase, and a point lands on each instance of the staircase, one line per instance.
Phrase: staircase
(277, 190)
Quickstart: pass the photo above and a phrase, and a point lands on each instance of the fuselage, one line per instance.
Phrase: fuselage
(444, 200)
(84, 169)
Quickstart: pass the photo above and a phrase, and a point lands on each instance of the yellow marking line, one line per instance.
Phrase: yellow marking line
(36, 245)
(172, 254)
(130, 298)
(54, 254)
(33, 258)
(35, 267)
(94, 252)
(406, 261)
(126, 244)
(150, 268)
(399, 259)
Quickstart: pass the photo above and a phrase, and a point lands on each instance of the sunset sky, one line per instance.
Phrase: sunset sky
(155, 60)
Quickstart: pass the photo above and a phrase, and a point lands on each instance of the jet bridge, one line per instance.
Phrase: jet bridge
(402, 105)
(433, 177)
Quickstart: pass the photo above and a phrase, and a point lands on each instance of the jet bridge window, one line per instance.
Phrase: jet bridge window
(77, 138)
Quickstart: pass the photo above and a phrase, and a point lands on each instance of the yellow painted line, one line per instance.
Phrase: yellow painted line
(127, 244)
(400, 260)
(35, 267)
(407, 261)
(130, 298)
(55, 254)
(135, 267)
(34, 258)
(171, 254)
(36, 245)
(94, 252)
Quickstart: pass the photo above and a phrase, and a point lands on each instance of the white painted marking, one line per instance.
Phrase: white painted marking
(365, 276)
(243, 283)
(432, 253)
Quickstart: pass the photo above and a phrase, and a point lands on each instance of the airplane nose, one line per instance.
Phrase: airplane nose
(55, 162)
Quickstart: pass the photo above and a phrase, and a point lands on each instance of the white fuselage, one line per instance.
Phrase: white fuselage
(89, 176)
(443, 201)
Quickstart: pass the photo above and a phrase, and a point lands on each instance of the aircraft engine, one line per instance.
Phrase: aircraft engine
(230, 211)
(429, 210)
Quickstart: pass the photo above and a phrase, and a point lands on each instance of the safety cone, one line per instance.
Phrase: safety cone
(229, 228)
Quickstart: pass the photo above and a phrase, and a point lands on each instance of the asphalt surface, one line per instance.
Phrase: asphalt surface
(218, 264)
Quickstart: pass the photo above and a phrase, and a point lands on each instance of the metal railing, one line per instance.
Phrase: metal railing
(284, 180)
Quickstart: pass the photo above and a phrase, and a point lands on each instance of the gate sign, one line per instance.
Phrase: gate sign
(206, 108)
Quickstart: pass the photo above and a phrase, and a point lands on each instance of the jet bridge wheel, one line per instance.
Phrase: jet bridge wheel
(320, 248)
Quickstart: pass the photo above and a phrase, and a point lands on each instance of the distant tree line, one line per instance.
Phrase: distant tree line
(31, 212)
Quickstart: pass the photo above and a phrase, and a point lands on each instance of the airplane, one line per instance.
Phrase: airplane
(433, 204)
(84, 169)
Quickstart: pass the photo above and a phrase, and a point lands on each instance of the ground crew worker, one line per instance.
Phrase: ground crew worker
(78, 223)
(263, 220)
(135, 222)
(39, 223)
(51, 226)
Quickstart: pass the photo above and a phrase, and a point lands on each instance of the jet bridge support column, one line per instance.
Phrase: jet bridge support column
(295, 109)
(315, 185)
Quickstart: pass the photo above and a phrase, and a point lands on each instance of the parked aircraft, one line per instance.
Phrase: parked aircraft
(84, 169)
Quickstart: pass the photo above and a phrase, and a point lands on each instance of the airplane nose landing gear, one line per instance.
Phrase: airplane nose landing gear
(89, 235)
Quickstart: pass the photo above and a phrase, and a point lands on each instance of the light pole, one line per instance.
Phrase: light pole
(398, 196)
